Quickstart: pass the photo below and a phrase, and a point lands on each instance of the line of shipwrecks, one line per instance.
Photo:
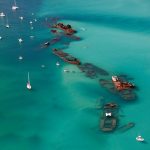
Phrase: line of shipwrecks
(109, 118)
(67, 31)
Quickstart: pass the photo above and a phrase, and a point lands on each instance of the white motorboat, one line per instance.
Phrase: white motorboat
(1, 38)
(28, 83)
(139, 138)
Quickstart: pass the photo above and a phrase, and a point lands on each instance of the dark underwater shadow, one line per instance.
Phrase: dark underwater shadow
(134, 24)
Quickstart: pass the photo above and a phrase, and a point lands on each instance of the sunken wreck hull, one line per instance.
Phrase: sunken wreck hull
(66, 28)
(92, 71)
(126, 94)
(121, 85)
(126, 127)
(108, 124)
(66, 57)
(110, 106)
(109, 119)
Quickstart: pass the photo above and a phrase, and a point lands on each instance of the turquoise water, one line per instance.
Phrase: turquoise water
(60, 112)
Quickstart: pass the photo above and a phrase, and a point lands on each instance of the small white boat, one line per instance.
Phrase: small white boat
(7, 26)
(139, 138)
(15, 7)
(31, 37)
(57, 64)
(2, 14)
(35, 20)
(1, 38)
(66, 70)
(31, 22)
(20, 57)
(20, 40)
(21, 18)
(28, 83)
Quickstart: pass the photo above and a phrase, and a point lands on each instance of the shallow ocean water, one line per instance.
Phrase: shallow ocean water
(60, 112)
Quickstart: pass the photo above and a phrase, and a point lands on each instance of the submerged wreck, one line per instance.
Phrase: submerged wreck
(66, 28)
(92, 71)
(108, 120)
(126, 127)
(66, 57)
(120, 87)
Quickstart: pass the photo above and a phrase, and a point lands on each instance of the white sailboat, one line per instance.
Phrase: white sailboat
(7, 25)
(28, 83)
(2, 14)
(15, 7)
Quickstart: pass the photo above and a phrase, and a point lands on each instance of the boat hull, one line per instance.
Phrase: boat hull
(66, 28)
(121, 85)
(66, 57)
(29, 86)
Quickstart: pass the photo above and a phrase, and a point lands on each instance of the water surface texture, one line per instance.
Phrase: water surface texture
(60, 113)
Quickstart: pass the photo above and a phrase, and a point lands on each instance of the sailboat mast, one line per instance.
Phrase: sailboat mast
(28, 83)
(6, 19)
(28, 78)
(15, 3)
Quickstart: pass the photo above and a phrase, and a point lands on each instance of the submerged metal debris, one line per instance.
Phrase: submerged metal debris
(92, 71)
